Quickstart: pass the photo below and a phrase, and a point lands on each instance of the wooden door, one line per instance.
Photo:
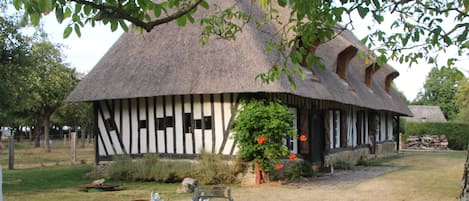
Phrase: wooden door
(304, 130)
(317, 140)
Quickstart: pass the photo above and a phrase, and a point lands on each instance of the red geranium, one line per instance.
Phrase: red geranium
(261, 139)
(292, 157)
(303, 138)
(279, 166)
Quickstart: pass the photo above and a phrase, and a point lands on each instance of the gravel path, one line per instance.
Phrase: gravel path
(337, 186)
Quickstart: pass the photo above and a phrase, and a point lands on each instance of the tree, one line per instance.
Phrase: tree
(440, 88)
(395, 26)
(462, 100)
(75, 115)
(50, 81)
(14, 58)
(33, 77)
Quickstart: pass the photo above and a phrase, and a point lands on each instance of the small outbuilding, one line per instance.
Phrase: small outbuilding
(426, 113)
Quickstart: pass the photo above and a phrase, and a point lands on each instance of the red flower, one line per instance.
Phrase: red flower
(279, 166)
(261, 139)
(292, 157)
(303, 138)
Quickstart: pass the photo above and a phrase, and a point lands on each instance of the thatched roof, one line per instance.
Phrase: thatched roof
(170, 61)
(426, 113)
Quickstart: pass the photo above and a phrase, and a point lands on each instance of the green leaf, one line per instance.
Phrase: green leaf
(447, 40)
(431, 60)
(405, 40)
(123, 25)
(67, 31)
(78, 8)
(45, 5)
(282, 3)
(377, 4)
(309, 60)
(181, 21)
(59, 14)
(77, 30)
(379, 18)
(113, 25)
(17, 4)
(362, 11)
(87, 9)
(364, 40)
(35, 17)
(68, 12)
(191, 19)
(204, 4)
(416, 36)
(157, 10)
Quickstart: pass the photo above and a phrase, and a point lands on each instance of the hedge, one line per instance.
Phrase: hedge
(456, 133)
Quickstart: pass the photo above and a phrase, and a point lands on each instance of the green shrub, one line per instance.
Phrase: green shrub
(456, 133)
(122, 168)
(368, 163)
(342, 165)
(148, 168)
(212, 169)
(259, 130)
(293, 170)
(209, 169)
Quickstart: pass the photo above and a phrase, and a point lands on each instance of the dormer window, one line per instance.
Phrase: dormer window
(343, 60)
(370, 70)
(309, 49)
(389, 78)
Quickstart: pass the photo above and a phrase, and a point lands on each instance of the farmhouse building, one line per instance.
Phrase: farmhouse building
(162, 92)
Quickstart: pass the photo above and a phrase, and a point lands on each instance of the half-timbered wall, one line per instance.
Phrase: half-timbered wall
(169, 125)
(183, 125)
(357, 127)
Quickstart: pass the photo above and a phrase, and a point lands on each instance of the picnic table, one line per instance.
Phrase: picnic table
(205, 193)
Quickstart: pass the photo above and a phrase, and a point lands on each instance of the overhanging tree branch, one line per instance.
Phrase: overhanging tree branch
(117, 12)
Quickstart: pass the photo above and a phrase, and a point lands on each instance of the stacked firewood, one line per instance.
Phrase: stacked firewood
(427, 142)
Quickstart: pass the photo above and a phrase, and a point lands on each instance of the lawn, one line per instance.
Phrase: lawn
(49, 176)
(28, 156)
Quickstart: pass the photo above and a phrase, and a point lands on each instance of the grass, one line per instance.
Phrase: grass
(380, 161)
(49, 178)
(44, 176)
(62, 183)
(426, 175)
(28, 156)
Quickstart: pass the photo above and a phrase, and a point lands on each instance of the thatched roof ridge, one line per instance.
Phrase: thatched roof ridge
(426, 113)
(170, 61)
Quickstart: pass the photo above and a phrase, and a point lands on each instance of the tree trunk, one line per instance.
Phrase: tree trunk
(21, 137)
(37, 136)
(83, 136)
(45, 124)
(30, 133)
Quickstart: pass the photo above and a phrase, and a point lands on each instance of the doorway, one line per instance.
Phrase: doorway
(317, 140)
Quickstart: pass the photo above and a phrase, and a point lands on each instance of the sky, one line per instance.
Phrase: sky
(84, 52)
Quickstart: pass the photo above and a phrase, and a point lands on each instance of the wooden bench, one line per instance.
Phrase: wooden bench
(205, 193)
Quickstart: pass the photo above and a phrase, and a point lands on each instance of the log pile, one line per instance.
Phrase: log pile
(427, 142)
